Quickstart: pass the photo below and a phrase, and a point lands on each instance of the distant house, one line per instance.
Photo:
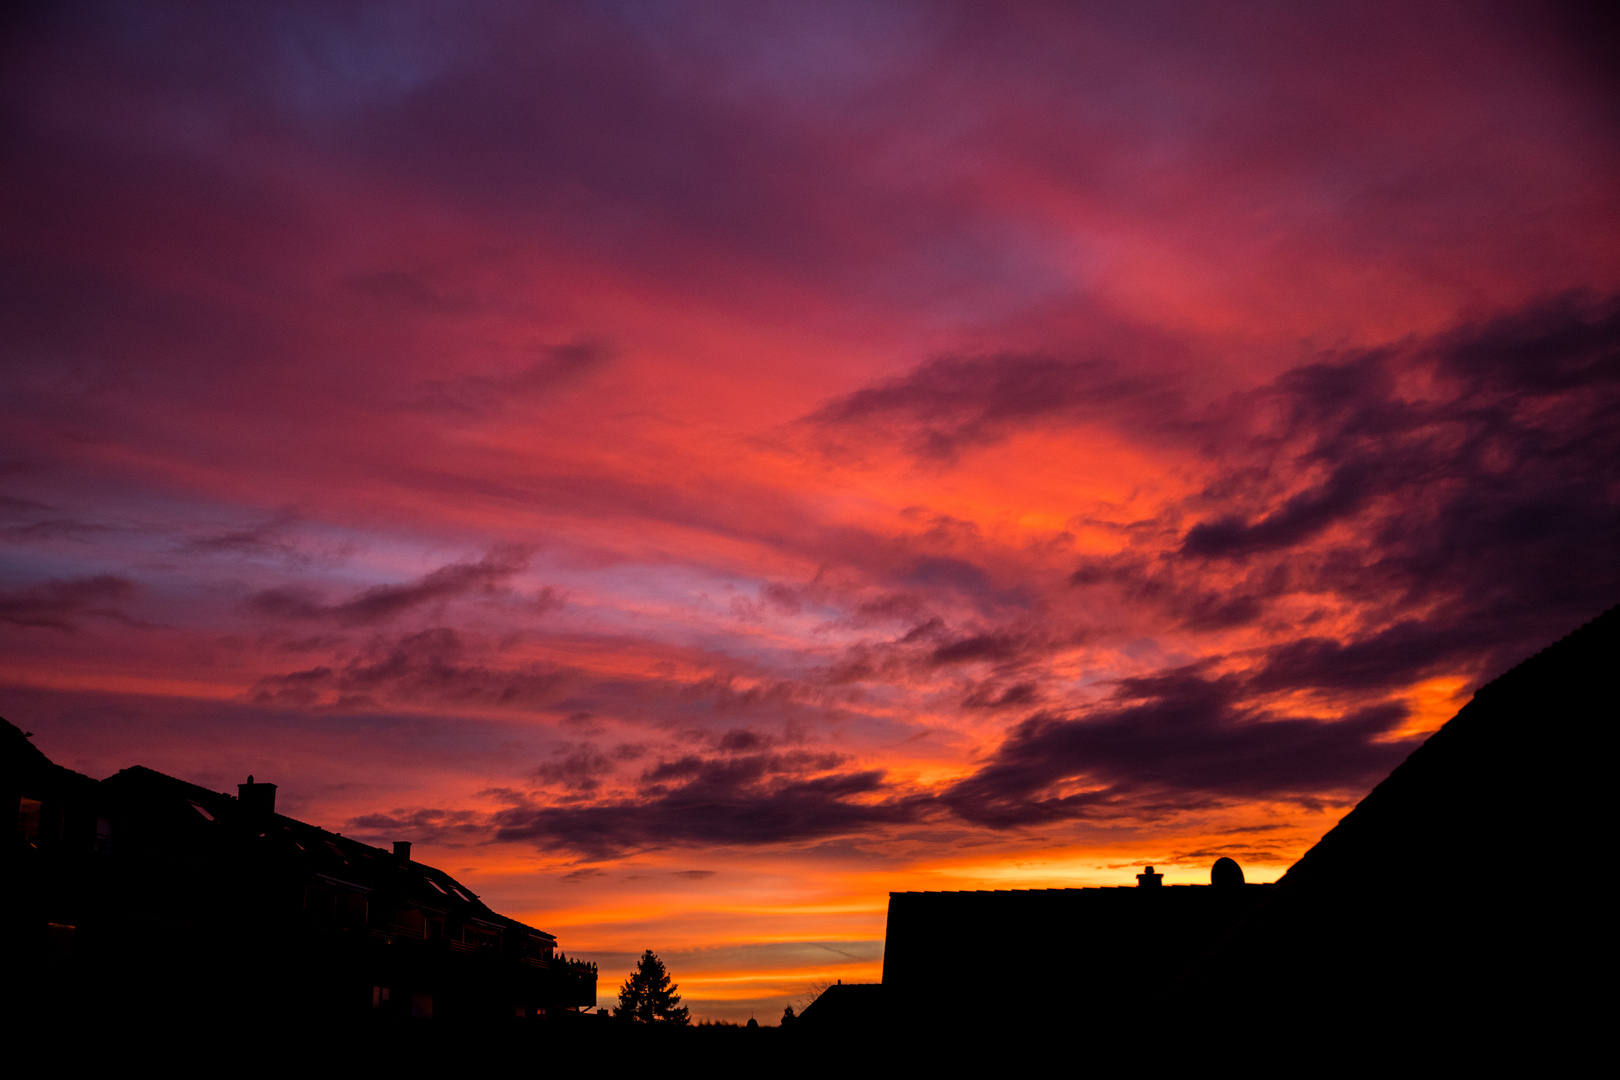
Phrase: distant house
(846, 1009)
(1075, 951)
(146, 892)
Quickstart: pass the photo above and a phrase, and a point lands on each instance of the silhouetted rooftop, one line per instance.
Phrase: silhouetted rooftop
(344, 862)
(1443, 893)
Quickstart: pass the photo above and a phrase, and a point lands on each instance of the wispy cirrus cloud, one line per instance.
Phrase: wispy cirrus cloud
(381, 603)
(429, 665)
(62, 603)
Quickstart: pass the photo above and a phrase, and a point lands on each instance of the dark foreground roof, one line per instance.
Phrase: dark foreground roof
(845, 1008)
(1450, 906)
(1455, 890)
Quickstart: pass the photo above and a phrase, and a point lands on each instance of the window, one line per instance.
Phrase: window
(480, 938)
(28, 814)
(353, 911)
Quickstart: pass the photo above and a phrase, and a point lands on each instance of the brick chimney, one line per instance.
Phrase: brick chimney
(256, 798)
(1149, 879)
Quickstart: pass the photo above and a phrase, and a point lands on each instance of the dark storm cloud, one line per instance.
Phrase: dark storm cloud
(992, 647)
(451, 828)
(1475, 473)
(950, 405)
(1300, 518)
(582, 767)
(1394, 656)
(55, 605)
(1464, 490)
(1143, 575)
(1282, 851)
(993, 695)
(1466, 481)
(738, 800)
(741, 740)
(383, 602)
(1168, 742)
(432, 665)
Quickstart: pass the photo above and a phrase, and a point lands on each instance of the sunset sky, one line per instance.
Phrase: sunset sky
(694, 468)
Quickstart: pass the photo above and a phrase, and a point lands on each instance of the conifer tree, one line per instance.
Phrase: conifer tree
(648, 996)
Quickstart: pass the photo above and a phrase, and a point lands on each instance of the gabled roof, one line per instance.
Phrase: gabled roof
(22, 762)
(1453, 889)
(214, 817)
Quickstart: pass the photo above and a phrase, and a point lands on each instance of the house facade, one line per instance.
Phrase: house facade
(1059, 953)
(145, 892)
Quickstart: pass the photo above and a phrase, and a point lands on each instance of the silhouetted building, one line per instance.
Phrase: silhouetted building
(847, 1009)
(144, 892)
(1436, 916)
(1443, 898)
(1059, 952)
(49, 871)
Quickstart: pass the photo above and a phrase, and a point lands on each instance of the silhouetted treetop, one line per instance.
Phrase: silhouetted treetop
(648, 996)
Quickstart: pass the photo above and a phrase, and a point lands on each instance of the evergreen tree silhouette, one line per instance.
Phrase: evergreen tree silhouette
(648, 996)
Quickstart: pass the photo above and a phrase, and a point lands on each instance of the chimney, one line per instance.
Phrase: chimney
(256, 798)
(402, 850)
(1149, 879)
